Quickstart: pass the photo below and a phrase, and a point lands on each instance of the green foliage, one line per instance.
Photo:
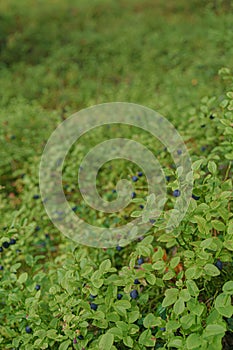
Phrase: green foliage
(51, 51)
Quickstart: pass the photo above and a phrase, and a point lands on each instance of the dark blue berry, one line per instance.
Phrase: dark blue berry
(1, 249)
(195, 197)
(80, 337)
(141, 206)
(176, 193)
(93, 306)
(136, 281)
(168, 178)
(12, 241)
(118, 248)
(134, 294)
(219, 264)
(36, 196)
(28, 329)
(113, 191)
(133, 195)
(152, 221)
(211, 116)
(1, 267)
(134, 178)
(119, 296)
(140, 173)
(163, 329)
(203, 148)
(140, 261)
(37, 287)
(203, 126)
(37, 228)
(75, 208)
(6, 245)
(179, 152)
(93, 296)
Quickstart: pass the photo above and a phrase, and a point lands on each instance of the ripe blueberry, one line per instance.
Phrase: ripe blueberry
(36, 196)
(119, 296)
(140, 173)
(118, 248)
(1, 249)
(5, 244)
(37, 228)
(93, 296)
(12, 241)
(75, 208)
(28, 329)
(211, 116)
(1, 267)
(167, 178)
(203, 148)
(37, 287)
(134, 294)
(140, 261)
(179, 152)
(195, 197)
(136, 281)
(134, 178)
(133, 195)
(93, 306)
(141, 206)
(163, 329)
(219, 264)
(80, 337)
(152, 221)
(176, 193)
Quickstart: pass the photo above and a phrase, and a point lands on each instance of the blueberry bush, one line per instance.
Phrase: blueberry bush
(164, 290)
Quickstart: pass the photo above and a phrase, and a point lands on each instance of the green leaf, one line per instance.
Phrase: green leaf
(106, 341)
(105, 266)
(64, 345)
(133, 316)
(179, 306)
(211, 270)
(184, 294)
(170, 297)
(214, 329)
(192, 288)
(176, 343)
(151, 279)
(128, 341)
(218, 225)
(212, 167)
(23, 278)
(150, 321)
(228, 287)
(194, 341)
(146, 338)
(174, 262)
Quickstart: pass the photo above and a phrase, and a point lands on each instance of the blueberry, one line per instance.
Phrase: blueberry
(134, 178)
(36, 196)
(140, 261)
(203, 148)
(12, 241)
(93, 306)
(37, 228)
(176, 193)
(203, 126)
(119, 296)
(75, 208)
(141, 206)
(28, 329)
(6, 245)
(152, 221)
(133, 195)
(1, 267)
(211, 116)
(80, 337)
(168, 178)
(136, 281)
(163, 329)
(1, 249)
(118, 248)
(37, 287)
(140, 173)
(195, 197)
(179, 152)
(93, 296)
(219, 264)
(113, 191)
(134, 294)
